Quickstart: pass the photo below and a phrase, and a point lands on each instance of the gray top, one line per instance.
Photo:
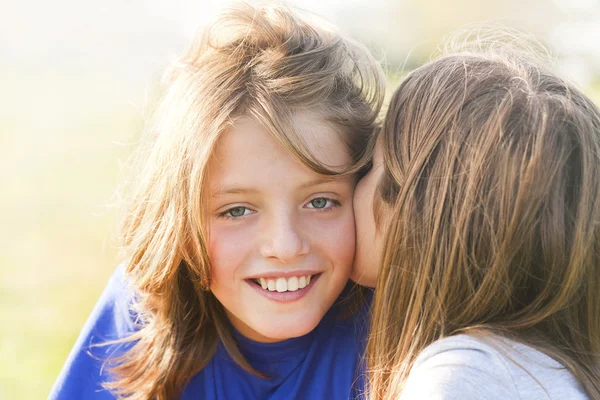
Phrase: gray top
(469, 368)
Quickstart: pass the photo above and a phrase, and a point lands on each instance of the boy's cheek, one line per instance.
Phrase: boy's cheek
(339, 240)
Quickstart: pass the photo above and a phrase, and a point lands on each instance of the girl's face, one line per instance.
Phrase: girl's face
(281, 236)
(368, 239)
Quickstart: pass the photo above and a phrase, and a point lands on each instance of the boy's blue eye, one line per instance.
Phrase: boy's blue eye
(323, 203)
(235, 212)
(319, 202)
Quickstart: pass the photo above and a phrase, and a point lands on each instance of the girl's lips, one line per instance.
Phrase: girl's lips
(285, 296)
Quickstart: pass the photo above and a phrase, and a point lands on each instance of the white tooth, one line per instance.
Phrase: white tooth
(271, 285)
(281, 285)
(292, 284)
(308, 279)
(301, 282)
(263, 283)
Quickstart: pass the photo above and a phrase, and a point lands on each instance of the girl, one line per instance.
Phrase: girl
(486, 224)
(239, 236)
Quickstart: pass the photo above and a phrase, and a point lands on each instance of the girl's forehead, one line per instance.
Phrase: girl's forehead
(378, 154)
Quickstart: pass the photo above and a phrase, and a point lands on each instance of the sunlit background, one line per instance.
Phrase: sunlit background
(74, 79)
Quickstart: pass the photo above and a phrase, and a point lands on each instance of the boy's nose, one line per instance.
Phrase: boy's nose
(283, 241)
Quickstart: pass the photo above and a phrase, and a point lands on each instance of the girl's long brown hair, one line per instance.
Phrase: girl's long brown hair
(264, 62)
(492, 187)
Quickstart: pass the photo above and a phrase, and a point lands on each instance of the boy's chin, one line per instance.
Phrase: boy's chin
(284, 331)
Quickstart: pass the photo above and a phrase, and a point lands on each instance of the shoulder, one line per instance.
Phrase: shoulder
(114, 308)
(489, 367)
(111, 319)
(460, 367)
(460, 348)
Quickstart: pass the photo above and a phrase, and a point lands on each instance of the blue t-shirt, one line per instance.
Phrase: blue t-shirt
(323, 364)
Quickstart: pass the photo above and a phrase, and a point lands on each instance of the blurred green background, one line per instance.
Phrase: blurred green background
(74, 79)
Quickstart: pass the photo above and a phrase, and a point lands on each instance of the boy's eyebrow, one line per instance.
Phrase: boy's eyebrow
(225, 190)
(228, 190)
(321, 180)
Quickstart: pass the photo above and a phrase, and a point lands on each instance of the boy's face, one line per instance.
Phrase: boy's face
(281, 236)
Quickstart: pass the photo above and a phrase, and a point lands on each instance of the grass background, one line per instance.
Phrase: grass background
(61, 149)
(64, 139)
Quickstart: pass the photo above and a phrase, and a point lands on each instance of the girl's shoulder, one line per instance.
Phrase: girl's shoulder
(488, 367)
